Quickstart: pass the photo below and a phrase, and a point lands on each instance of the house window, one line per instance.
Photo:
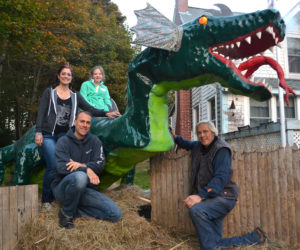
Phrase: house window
(212, 110)
(294, 54)
(289, 111)
(259, 112)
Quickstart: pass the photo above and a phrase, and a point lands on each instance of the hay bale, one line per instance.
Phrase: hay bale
(132, 232)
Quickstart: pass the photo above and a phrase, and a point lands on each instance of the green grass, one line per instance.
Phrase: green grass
(142, 176)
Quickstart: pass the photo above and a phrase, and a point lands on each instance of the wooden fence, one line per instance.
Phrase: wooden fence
(269, 182)
(17, 203)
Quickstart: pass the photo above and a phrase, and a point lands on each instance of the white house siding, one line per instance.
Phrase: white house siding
(201, 96)
(234, 118)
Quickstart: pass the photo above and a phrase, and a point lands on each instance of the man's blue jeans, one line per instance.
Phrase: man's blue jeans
(78, 200)
(48, 150)
(207, 217)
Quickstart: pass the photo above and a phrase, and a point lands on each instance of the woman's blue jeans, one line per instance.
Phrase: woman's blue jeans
(78, 200)
(207, 217)
(48, 150)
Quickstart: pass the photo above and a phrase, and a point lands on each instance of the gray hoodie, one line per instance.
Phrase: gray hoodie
(88, 151)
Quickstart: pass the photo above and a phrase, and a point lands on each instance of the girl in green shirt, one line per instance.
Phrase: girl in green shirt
(94, 91)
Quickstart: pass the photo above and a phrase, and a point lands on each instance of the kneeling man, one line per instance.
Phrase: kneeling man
(79, 159)
(214, 194)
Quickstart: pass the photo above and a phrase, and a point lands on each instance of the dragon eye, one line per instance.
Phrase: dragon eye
(203, 20)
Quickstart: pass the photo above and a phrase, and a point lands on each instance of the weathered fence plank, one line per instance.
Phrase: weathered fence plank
(5, 218)
(270, 195)
(17, 203)
(276, 193)
(269, 182)
(296, 174)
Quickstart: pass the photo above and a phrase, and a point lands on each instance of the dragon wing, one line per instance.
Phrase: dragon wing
(155, 30)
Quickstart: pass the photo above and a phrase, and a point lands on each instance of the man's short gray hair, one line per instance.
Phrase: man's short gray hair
(210, 124)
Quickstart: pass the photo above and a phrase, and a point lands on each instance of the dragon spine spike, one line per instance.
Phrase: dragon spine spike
(156, 31)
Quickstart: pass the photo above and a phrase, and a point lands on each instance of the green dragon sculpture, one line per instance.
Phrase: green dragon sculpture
(177, 57)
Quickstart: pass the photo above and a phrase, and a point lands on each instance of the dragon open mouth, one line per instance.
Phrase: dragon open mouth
(252, 45)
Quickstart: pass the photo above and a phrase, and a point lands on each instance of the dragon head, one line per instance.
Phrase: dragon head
(213, 46)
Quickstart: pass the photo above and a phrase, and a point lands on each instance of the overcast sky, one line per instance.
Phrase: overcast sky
(166, 7)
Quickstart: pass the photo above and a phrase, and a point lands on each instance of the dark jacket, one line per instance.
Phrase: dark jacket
(88, 151)
(46, 118)
(210, 168)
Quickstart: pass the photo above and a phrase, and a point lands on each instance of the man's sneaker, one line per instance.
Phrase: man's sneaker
(262, 236)
(65, 221)
(47, 205)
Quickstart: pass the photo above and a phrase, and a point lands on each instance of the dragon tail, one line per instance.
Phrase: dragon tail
(7, 154)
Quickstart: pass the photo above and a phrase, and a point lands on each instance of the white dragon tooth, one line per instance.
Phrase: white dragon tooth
(271, 49)
(276, 40)
(221, 46)
(227, 46)
(232, 45)
(262, 53)
(270, 30)
(258, 34)
(227, 57)
(279, 45)
(248, 39)
(238, 44)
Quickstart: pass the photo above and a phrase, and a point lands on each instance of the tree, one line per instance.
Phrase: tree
(38, 36)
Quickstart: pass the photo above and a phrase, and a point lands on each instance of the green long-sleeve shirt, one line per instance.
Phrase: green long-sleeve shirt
(97, 96)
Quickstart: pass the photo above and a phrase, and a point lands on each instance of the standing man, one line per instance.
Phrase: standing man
(79, 159)
(214, 194)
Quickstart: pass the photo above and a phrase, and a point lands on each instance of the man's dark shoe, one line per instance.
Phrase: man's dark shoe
(65, 221)
(262, 236)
